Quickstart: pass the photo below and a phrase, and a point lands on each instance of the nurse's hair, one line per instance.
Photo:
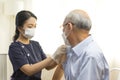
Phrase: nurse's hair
(21, 17)
(79, 19)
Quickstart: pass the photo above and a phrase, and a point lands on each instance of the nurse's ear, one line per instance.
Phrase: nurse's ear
(21, 30)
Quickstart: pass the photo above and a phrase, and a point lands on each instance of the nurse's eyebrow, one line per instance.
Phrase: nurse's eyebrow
(32, 24)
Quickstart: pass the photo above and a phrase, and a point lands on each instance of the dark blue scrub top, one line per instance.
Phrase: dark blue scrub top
(21, 54)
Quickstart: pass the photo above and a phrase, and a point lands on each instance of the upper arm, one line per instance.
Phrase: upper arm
(58, 73)
(39, 48)
(16, 57)
(51, 65)
(90, 70)
(42, 54)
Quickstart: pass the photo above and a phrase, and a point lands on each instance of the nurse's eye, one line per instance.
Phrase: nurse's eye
(30, 26)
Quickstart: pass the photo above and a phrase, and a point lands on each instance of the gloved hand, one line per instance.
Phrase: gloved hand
(61, 59)
(60, 54)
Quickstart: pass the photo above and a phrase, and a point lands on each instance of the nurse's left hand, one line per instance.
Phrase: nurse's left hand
(60, 54)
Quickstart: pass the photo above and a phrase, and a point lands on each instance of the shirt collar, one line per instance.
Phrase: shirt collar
(79, 47)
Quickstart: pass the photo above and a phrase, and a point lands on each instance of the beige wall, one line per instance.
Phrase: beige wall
(7, 28)
(6, 31)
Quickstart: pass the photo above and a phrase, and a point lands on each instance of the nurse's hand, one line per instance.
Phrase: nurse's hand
(60, 54)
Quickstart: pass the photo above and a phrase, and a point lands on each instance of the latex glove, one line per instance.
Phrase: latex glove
(61, 59)
(59, 54)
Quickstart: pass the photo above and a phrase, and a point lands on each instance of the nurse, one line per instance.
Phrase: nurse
(27, 56)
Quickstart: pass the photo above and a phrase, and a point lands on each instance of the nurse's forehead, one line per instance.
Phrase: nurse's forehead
(31, 21)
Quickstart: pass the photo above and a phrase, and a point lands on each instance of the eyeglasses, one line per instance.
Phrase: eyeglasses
(64, 25)
(67, 23)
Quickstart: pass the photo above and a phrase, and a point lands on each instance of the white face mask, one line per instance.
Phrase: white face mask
(65, 39)
(29, 32)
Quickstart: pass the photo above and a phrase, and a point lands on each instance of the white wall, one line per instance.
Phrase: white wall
(50, 17)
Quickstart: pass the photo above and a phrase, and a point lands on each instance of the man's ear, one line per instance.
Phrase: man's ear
(70, 26)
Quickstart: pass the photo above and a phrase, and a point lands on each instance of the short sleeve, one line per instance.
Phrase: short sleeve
(43, 55)
(90, 70)
(16, 56)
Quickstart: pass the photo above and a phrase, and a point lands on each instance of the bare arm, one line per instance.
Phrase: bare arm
(37, 67)
(58, 73)
(52, 65)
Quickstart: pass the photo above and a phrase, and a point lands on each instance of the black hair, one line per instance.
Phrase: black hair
(21, 17)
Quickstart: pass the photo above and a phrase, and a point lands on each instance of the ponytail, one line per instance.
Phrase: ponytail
(16, 35)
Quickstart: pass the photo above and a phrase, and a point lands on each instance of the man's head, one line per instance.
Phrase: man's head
(76, 26)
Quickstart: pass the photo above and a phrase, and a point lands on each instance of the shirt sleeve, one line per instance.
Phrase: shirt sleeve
(16, 57)
(43, 55)
(91, 70)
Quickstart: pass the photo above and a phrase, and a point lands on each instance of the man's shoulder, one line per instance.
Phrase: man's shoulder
(94, 51)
